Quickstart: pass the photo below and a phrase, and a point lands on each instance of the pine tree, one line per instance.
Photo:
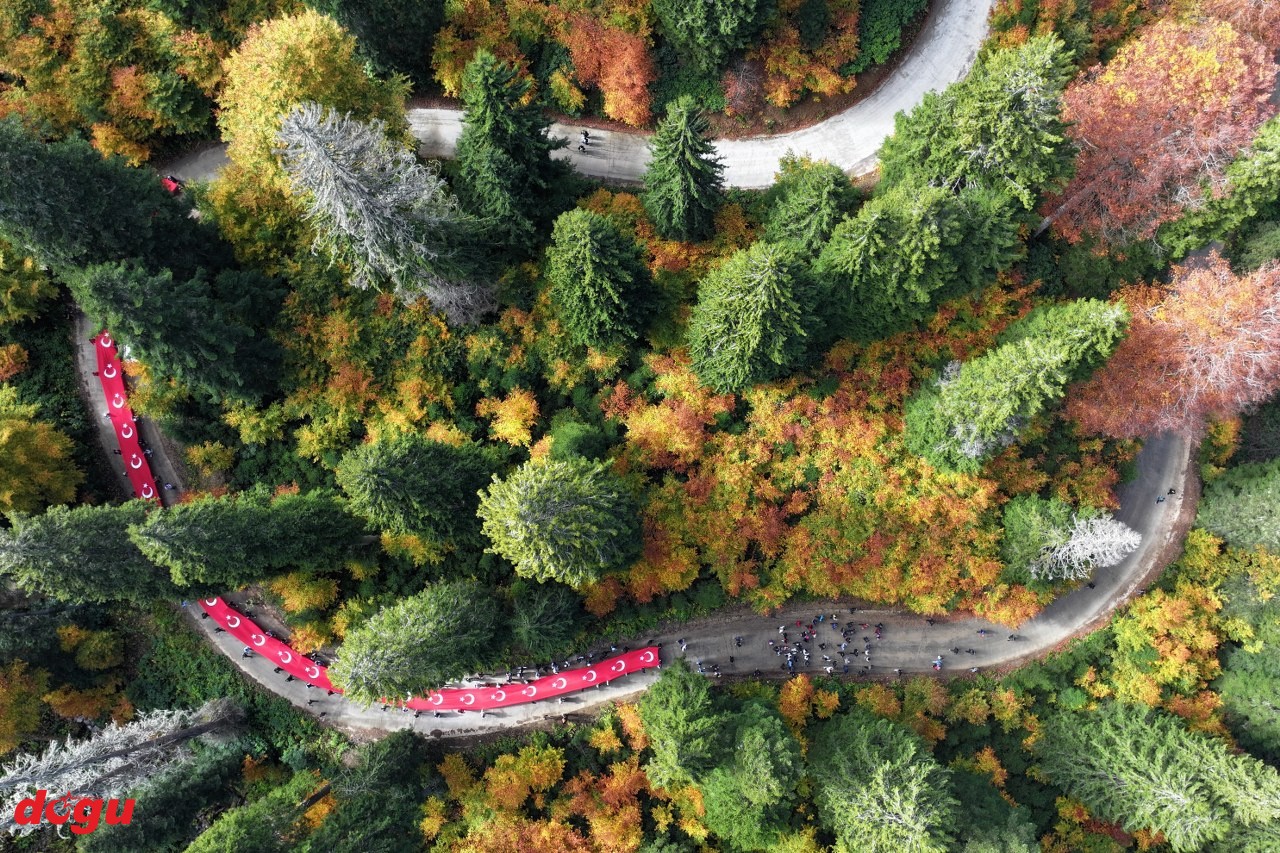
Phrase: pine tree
(570, 521)
(753, 315)
(683, 183)
(600, 285)
(683, 727)
(419, 643)
(905, 251)
(1142, 769)
(227, 542)
(179, 329)
(505, 172)
(878, 788)
(812, 198)
(390, 219)
(749, 798)
(1240, 505)
(412, 486)
(976, 408)
(1000, 128)
(113, 761)
(263, 825)
(84, 555)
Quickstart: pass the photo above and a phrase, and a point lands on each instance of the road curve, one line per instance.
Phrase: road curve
(940, 55)
(909, 643)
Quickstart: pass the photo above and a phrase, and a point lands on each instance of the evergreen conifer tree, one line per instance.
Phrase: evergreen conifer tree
(600, 285)
(683, 183)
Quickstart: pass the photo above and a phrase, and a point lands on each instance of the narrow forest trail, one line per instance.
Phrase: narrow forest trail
(941, 54)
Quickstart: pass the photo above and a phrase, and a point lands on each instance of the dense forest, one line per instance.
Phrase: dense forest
(405, 390)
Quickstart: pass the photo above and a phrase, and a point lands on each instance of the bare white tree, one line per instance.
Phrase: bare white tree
(1090, 542)
(113, 761)
(378, 210)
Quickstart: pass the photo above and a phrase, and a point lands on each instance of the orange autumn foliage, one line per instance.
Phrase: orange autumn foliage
(617, 61)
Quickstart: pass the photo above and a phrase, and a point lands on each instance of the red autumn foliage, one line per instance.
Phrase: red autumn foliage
(1209, 347)
(1158, 126)
(617, 61)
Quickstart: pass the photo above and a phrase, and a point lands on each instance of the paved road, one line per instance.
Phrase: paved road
(941, 54)
(909, 643)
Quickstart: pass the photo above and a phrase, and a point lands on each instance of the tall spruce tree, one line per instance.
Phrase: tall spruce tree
(505, 172)
(227, 542)
(570, 521)
(753, 314)
(420, 642)
(66, 206)
(878, 788)
(390, 219)
(705, 32)
(974, 409)
(1240, 505)
(812, 198)
(180, 328)
(85, 555)
(683, 725)
(1000, 128)
(905, 251)
(600, 284)
(1142, 769)
(683, 182)
(410, 485)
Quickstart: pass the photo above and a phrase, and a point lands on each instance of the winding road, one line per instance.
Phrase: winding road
(941, 54)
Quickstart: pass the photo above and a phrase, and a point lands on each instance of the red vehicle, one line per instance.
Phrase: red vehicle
(172, 184)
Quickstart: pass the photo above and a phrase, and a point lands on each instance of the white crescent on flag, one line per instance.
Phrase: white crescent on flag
(647, 657)
(313, 672)
(620, 666)
(468, 699)
(499, 696)
(436, 698)
(135, 463)
(530, 691)
(126, 431)
(109, 371)
(233, 621)
(589, 676)
(258, 640)
(285, 656)
(147, 491)
(212, 602)
(106, 341)
(560, 683)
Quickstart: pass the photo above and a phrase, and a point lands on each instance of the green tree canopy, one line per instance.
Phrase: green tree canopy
(878, 788)
(66, 206)
(683, 182)
(410, 485)
(396, 36)
(182, 329)
(505, 172)
(1242, 505)
(1000, 127)
(600, 284)
(420, 643)
(1142, 769)
(973, 409)
(230, 541)
(910, 248)
(812, 197)
(85, 555)
(749, 798)
(262, 825)
(683, 725)
(705, 32)
(570, 521)
(753, 316)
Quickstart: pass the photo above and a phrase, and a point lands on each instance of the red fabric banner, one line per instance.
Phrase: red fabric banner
(125, 425)
(486, 697)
